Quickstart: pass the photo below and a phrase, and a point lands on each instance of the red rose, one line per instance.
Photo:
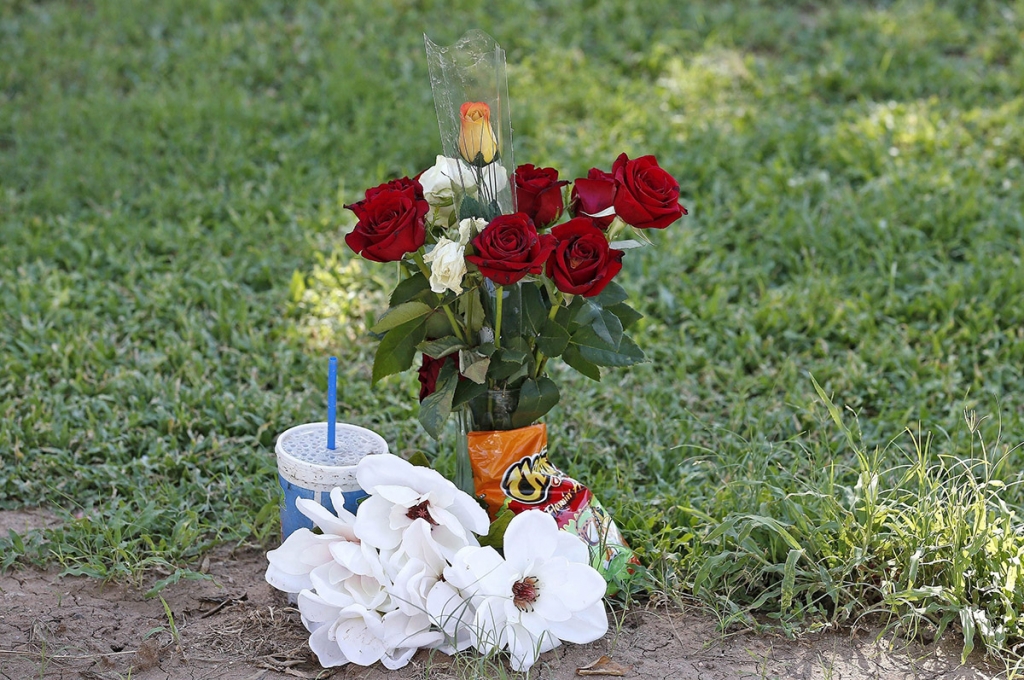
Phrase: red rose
(400, 184)
(539, 193)
(582, 263)
(594, 195)
(390, 221)
(509, 248)
(647, 196)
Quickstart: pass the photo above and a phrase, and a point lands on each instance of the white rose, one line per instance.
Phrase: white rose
(438, 185)
(469, 228)
(447, 266)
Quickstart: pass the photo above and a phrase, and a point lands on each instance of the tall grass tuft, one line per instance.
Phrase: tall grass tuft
(918, 545)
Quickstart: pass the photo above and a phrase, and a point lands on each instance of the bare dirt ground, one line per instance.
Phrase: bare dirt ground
(236, 626)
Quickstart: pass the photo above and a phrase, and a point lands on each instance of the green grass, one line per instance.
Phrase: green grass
(853, 174)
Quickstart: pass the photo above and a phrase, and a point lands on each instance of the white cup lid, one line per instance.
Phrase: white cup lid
(304, 459)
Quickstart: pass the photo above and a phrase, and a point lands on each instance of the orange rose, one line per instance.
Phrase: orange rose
(477, 142)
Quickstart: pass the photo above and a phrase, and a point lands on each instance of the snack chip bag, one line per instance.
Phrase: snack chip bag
(514, 464)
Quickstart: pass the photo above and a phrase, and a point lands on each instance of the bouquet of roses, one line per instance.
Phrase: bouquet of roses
(488, 298)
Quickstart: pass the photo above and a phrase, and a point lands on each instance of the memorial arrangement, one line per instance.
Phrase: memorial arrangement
(502, 268)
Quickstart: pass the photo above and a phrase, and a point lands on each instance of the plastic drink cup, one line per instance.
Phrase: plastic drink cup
(308, 469)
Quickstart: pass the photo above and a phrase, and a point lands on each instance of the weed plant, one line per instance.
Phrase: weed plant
(173, 276)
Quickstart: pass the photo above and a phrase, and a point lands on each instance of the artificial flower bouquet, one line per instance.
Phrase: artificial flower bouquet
(408, 572)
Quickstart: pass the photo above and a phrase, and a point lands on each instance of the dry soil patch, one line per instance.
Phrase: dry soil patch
(235, 626)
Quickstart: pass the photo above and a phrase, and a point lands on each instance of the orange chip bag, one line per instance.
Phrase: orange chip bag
(514, 464)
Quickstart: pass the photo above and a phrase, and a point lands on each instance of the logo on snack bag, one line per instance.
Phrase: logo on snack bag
(529, 481)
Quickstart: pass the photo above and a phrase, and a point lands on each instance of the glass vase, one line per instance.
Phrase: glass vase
(493, 410)
(463, 467)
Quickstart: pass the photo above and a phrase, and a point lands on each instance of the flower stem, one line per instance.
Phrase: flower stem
(497, 317)
(539, 359)
(418, 259)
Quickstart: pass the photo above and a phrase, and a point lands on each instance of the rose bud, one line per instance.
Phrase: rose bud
(477, 142)
(593, 196)
(582, 263)
(509, 248)
(539, 193)
(391, 221)
(647, 196)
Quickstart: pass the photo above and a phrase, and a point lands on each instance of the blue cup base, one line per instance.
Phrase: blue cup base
(292, 519)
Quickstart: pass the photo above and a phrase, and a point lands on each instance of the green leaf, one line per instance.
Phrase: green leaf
(553, 339)
(495, 537)
(297, 286)
(472, 310)
(789, 578)
(536, 397)
(474, 366)
(608, 328)
(178, 575)
(519, 344)
(397, 349)
(594, 349)
(409, 288)
(441, 347)
(435, 409)
(586, 313)
(506, 362)
(512, 313)
(438, 326)
(627, 315)
(470, 207)
(466, 391)
(16, 541)
(574, 359)
(535, 312)
(612, 294)
(967, 624)
(419, 459)
(403, 313)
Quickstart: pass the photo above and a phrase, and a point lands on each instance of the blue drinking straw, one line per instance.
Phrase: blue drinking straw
(332, 400)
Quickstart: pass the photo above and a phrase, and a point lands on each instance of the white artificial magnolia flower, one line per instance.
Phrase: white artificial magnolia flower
(469, 228)
(354, 576)
(365, 636)
(452, 611)
(542, 592)
(355, 613)
(414, 568)
(402, 493)
(439, 184)
(447, 266)
(303, 551)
